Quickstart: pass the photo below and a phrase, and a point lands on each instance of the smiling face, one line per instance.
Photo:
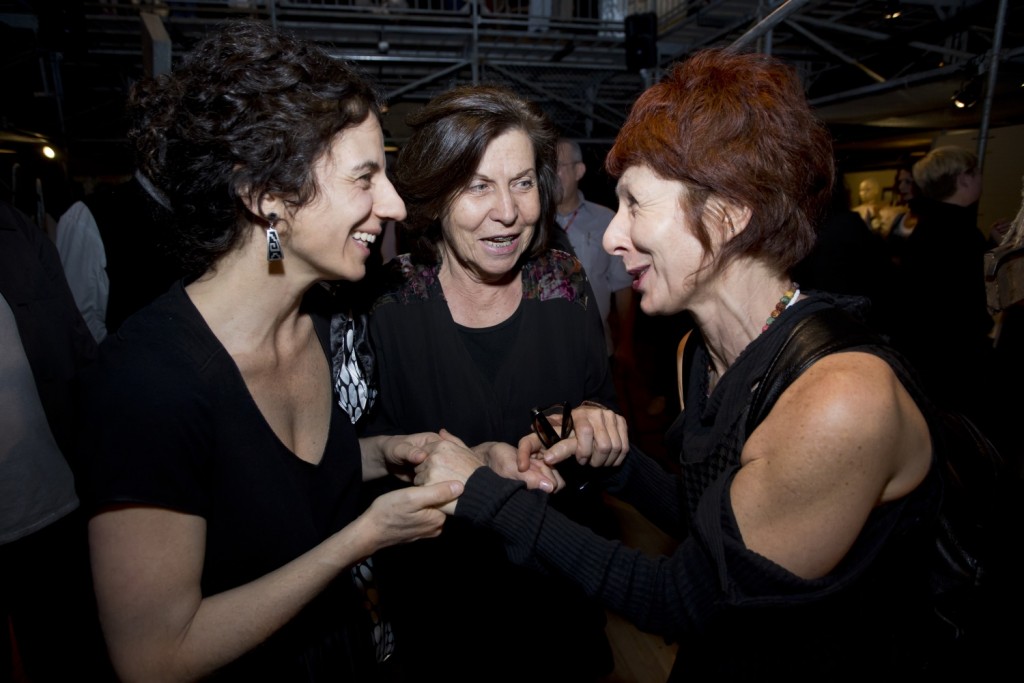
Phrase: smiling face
(491, 221)
(332, 235)
(651, 233)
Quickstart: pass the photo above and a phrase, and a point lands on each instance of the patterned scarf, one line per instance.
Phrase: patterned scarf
(352, 363)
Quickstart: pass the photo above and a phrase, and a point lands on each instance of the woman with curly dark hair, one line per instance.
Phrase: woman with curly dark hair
(225, 481)
(804, 506)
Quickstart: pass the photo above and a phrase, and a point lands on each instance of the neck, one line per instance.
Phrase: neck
(570, 204)
(958, 200)
(247, 302)
(738, 302)
(474, 301)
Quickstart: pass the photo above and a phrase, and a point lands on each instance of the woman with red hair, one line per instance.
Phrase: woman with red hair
(802, 532)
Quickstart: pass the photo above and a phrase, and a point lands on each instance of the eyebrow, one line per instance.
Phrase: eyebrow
(483, 176)
(368, 165)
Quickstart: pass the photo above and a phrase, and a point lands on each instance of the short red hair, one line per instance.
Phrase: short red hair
(736, 126)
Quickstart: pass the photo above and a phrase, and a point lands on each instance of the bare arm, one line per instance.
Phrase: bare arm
(148, 562)
(842, 439)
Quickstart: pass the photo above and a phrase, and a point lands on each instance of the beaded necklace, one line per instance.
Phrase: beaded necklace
(787, 300)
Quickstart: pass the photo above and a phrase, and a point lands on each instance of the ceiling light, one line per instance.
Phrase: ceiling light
(968, 94)
(49, 152)
(892, 9)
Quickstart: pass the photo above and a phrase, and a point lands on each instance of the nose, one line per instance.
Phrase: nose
(505, 209)
(388, 205)
(615, 240)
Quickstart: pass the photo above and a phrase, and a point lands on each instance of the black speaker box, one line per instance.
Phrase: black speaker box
(641, 41)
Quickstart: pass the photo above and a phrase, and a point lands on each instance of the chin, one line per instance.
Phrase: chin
(351, 274)
(650, 307)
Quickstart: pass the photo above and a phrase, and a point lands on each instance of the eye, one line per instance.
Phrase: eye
(524, 184)
(477, 187)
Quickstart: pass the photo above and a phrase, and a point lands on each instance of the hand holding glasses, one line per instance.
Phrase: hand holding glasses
(576, 476)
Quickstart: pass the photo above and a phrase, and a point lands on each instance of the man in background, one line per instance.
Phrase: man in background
(584, 224)
(114, 248)
(50, 631)
(944, 323)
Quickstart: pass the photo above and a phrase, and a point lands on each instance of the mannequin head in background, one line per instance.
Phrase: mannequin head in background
(870, 192)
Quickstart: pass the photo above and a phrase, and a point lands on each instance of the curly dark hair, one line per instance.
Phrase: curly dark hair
(249, 111)
(450, 136)
(736, 126)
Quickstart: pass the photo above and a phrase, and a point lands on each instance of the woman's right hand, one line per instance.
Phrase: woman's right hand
(600, 438)
(411, 513)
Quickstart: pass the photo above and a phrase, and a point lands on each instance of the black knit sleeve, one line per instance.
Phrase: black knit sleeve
(654, 491)
(663, 595)
(710, 573)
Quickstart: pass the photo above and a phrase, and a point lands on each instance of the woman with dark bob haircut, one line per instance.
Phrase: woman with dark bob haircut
(482, 323)
(802, 533)
(226, 483)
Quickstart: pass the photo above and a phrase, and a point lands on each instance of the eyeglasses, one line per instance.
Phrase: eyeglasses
(577, 477)
(543, 428)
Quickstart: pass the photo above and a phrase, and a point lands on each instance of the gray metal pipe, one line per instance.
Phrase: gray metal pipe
(993, 70)
(768, 23)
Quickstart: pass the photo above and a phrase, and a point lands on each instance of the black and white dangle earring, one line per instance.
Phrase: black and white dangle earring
(274, 252)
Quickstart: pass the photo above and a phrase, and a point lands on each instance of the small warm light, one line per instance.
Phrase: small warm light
(892, 9)
(49, 152)
(969, 93)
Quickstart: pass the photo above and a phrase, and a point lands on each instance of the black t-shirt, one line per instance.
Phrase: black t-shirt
(173, 425)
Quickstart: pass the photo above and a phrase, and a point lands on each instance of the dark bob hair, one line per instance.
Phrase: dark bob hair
(737, 127)
(249, 111)
(450, 135)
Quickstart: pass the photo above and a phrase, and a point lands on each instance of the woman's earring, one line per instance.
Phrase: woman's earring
(274, 252)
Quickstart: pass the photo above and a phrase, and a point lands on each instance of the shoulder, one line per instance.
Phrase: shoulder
(77, 229)
(555, 275)
(849, 410)
(77, 213)
(844, 438)
(404, 282)
(844, 386)
(166, 341)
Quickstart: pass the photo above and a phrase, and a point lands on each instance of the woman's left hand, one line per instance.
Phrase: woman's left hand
(448, 459)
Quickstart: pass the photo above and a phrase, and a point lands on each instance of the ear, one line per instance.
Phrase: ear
(267, 204)
(581, 168)
(738, 215)
(734, 217)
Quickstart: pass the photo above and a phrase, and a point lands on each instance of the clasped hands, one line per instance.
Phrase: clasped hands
(600, 439)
